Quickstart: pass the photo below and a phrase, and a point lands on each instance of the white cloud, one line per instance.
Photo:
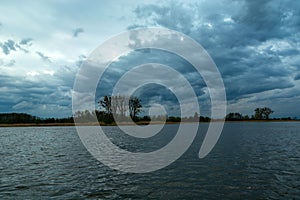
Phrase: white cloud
(23, 105)
(32, 73)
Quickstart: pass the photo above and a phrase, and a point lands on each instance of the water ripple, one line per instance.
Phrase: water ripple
(251, 161)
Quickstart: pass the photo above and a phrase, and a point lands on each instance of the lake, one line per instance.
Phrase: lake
(250, 161)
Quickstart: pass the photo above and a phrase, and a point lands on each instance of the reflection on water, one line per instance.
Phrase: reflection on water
(251, 160)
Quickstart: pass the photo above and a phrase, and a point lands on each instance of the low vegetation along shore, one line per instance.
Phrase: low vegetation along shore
(114, 108)
(84, 119)
(125, 110)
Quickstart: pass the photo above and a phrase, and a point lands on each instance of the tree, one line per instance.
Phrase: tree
(258, 113)
(105, 103)
(246, 117)
(120, 105)
(234, 116)
(262, 113)
(134, 107)
(266, 112)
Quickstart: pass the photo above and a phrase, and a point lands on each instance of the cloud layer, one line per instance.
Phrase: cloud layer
(255, 45)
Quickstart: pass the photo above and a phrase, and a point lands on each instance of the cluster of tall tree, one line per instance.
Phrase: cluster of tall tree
(263, 113)
(234, 116)
(259, 114)
(120, 106)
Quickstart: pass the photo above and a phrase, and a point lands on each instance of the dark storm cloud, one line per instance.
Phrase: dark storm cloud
(156, 94)
(144, 56)
(248, 86)
(77, 31)
(261, 20)
(152, 93)
(8, 46)
(297, 76)
(232, 32)
(43, 57)
(66, 75)
(25, 41)
(255, 22)
(252, 21)
(22, 85)
(171, 16)
(11, 45)
(36, 96)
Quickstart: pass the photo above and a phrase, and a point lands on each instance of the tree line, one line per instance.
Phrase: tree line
(110, 109)
(24, 118)
(259, 114)
(124, 108)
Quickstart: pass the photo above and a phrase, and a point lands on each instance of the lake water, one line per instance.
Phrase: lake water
(250, 161)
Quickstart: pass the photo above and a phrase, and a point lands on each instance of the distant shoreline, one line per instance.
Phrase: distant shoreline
(125, 123)
(80, 124)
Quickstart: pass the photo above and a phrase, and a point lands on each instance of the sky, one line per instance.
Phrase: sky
(255, 45)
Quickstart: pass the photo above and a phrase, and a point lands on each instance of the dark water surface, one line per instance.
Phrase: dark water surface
(250, 161)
